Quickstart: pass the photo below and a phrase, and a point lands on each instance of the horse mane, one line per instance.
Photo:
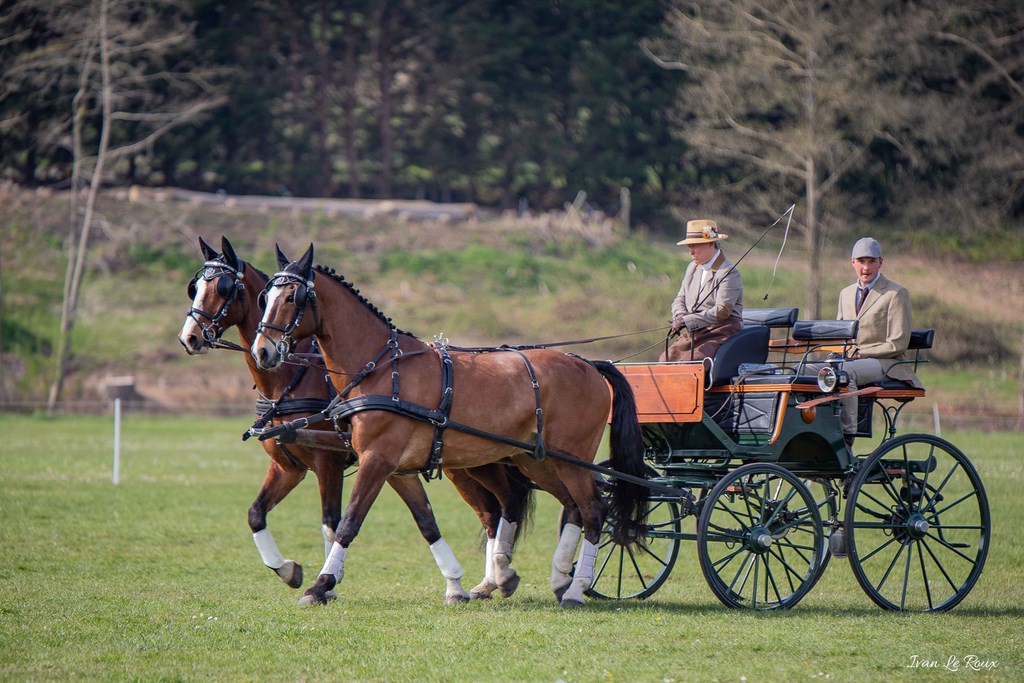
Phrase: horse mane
(340, 279)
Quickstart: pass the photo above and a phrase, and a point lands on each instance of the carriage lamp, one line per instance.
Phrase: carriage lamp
(828, 379)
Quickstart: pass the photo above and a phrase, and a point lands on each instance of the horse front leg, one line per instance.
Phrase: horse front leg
(372, 474)
(330, 474)
(410, 489)
(277, 484)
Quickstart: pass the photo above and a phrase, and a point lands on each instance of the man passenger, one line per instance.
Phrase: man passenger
(882, 309)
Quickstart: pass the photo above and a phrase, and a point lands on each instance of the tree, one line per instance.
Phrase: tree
(782, 90)
(134, 84)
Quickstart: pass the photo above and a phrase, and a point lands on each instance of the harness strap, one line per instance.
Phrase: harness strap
(346, 409)
(444, 407)
(538, 447)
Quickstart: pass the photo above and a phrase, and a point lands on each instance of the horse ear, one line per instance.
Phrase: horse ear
(282, 260)
(208, 253)
(305, 263)
(230, 257)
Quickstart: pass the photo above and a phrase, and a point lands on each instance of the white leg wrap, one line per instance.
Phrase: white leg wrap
(565, 552)
(328, 534)
(503, 538)
(489, 561)
(587, 561)
(584, 576)
(445, 558)
(335, 563)
(268, 549)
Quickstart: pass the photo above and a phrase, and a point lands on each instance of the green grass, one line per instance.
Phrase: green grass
(157, 579)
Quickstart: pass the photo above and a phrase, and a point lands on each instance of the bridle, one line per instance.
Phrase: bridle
(229, 286)
(302, 297)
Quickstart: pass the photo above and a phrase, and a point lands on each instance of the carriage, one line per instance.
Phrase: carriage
(754, 439)
(747, 444)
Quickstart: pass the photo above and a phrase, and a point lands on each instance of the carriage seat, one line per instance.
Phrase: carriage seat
(749, 345)
(770, 317)
(920, 340)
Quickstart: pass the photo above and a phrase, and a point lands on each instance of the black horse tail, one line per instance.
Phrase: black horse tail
(628, 501)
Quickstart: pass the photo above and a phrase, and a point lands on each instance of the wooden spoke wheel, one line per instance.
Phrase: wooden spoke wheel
(760, 539)
(917, 524)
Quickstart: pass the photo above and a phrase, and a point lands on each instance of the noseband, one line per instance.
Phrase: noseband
(229, 287)
(303, 297)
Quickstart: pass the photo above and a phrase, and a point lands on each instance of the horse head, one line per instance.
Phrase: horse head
(216, 292)
(288, 295)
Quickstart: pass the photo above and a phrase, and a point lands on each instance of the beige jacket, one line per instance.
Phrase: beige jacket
(719, 299)
(884, 325)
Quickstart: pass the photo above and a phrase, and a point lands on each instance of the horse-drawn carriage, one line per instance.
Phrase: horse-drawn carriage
(774, 489)
(749, 444)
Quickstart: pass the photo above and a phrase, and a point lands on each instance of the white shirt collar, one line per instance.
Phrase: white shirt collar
(711, 261)
(870, 285)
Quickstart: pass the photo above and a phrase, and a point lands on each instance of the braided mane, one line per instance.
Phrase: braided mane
(340, 279)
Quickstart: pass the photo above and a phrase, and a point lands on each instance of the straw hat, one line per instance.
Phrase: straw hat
(702, 231)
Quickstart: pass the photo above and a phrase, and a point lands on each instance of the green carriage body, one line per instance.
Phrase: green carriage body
(757, 450)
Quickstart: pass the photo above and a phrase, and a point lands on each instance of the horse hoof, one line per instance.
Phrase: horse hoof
(291, 573)
(330, 595)
(570, 603)
(560, 591)
(482, 591)
(456, 599)
(510, 586)
(311, 597)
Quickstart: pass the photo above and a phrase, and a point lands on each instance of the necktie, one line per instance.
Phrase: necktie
(862, 294)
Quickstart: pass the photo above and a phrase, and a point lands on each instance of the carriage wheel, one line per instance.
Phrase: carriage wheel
(637, 571)
(917, 524)
(760, 539)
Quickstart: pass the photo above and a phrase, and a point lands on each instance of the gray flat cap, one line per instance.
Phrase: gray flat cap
(867, 247)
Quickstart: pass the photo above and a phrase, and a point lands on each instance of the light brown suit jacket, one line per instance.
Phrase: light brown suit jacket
(884, 325)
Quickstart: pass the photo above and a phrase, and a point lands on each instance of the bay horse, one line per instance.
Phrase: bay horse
(499, 405)
(224, 295)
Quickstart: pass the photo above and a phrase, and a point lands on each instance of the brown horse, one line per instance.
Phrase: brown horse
(224, 295)
(505, 405)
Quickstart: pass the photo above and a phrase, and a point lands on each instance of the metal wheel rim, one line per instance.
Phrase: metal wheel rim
(740, 509)
(917, 541)
(637, 572)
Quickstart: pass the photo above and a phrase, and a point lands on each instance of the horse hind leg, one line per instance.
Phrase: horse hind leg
(410, 490)
(565, 553)
(502, 498)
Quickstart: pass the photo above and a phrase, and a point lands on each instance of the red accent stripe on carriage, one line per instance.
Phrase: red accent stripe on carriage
(667, 392)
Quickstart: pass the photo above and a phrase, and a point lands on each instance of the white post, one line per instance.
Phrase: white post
(935, 417)
(116, 479)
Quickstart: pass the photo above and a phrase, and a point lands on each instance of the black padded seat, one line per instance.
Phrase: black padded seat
(749, 345)
(770, 317)
(824, 330)
(921, 339)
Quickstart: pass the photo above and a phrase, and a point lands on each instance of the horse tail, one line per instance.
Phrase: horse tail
(628, 501)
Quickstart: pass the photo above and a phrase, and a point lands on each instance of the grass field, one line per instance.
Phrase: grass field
(157, 579)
